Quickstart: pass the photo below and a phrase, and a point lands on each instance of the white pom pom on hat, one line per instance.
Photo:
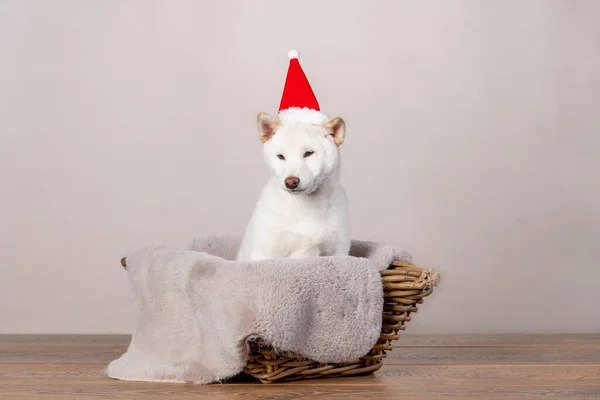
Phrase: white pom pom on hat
(293, 53)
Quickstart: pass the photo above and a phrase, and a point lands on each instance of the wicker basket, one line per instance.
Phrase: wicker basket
(405, 286)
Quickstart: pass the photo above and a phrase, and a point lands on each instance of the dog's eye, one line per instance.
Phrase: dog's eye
(308, 153)
(280, 156)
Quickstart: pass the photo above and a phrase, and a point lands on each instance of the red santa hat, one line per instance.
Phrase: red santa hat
(298, 101)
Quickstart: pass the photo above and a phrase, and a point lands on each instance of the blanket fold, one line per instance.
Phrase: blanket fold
(196, 308)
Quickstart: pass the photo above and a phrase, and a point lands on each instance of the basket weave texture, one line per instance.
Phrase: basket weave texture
(405, 286)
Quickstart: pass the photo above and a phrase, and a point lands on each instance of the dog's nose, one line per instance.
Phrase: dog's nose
(291, 182)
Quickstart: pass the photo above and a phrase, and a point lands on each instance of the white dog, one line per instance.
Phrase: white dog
(302, 209)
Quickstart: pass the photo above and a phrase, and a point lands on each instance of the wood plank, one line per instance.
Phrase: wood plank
(64, 340)
(389, 375)
(490, 375)
(407, 355)
(498, 340)
(406, 340)
(422, 367)
(68, 390)
(494, 355)
(59, 354)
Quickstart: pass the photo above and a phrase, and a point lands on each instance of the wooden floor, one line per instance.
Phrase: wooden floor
(420, 367)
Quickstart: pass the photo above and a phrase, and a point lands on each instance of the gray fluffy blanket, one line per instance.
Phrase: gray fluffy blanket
(196, 308)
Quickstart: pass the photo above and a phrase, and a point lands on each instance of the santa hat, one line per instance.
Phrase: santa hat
(298, 101)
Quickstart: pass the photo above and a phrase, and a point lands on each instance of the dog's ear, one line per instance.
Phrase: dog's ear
(337, 129)
(267, 125)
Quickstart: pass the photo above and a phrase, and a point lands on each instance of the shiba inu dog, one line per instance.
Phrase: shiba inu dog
(302, 209)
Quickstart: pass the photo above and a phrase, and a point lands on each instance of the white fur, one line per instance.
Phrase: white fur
(312, 221)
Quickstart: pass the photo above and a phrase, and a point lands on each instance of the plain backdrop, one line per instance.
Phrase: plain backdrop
(473, 142)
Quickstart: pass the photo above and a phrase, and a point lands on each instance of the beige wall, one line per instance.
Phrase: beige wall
(473, 141)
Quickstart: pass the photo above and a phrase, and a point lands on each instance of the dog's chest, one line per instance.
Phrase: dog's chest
(314, 236)
(307, 217)
(316, 223)
(285, 225)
